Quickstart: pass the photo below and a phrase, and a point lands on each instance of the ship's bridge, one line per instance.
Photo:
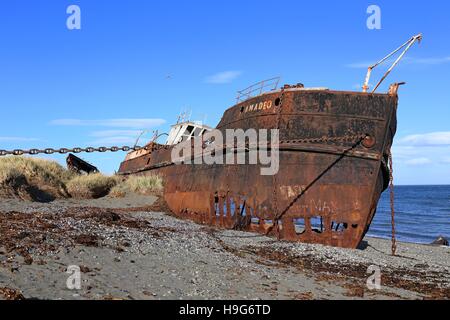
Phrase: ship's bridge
(187, 130)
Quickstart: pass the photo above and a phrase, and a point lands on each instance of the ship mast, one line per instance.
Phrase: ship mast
(408, 44)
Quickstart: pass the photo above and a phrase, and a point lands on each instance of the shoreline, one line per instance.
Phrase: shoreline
(371, 236)
(128, 248)
(130, 201)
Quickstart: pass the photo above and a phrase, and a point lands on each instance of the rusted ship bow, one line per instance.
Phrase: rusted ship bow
(333, 152)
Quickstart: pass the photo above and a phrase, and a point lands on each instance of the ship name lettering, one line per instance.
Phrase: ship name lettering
(259, 106)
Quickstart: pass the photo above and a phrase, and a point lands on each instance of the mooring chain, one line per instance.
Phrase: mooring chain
(391, 189)
(20, 152)
(48, 151)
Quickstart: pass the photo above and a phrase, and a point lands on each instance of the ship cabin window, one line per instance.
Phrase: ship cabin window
(188, 133)
(183, 132)
(197, 132)
(192, 131)
(189, 129)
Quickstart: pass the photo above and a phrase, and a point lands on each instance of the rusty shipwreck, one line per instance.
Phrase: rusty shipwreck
(333, 164)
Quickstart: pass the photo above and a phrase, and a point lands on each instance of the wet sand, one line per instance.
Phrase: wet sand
(130, 249)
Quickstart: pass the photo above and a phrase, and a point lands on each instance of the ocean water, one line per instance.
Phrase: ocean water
(422, 213)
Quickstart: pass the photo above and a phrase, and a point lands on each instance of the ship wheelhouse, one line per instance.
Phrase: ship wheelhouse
(184, 131)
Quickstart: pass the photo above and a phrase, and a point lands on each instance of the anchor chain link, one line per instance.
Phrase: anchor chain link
(392, 197)
(20, 152)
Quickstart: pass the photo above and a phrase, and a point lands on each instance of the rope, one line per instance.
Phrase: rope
(304, 190)
(391, 189)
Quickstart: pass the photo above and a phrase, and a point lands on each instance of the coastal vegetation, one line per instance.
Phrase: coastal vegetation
(91, 186)
(44, 180)
(138, 184)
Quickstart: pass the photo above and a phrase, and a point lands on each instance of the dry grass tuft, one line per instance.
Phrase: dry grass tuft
(33, 178)
(91, 186)
(36, 169)
(44, 180)
(138, 184)
(119, 191)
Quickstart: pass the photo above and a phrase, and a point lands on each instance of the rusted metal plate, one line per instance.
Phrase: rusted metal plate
(321, 194)
(78, 165)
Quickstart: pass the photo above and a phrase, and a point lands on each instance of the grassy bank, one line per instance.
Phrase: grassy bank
(44, 180)
(138, 184)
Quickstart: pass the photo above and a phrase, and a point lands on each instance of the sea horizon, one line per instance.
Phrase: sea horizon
(422, 213)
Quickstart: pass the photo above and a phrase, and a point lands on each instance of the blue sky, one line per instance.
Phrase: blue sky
(135, 65)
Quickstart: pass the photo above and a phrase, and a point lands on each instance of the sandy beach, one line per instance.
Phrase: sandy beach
(129, 248)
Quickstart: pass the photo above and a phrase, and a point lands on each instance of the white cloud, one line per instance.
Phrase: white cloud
(359, 65)
(418, 161)
(358, 86)
(422, 158)
(404, 152)
(132, 129)
(406, 60)
(427, 61)
(119, 123)
(116, 137)
(109, 133)
(223, 77)
(119, 140)
(421, 149)
(428, 139)
(17, 139)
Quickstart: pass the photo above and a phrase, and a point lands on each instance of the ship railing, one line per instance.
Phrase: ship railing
(258, 88)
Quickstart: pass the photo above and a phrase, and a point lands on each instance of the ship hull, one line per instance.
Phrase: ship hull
(329, 180)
